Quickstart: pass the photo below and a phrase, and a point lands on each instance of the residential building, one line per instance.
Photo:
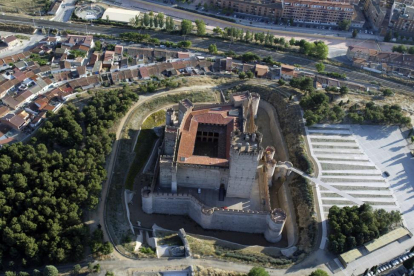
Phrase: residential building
(375, 10)
(81, 71)
(15, 102)
(97, 67)
(403, 20)
(55, 8)
(119, 49)
(4, 110)
(72, 40)
(108, 59)
(264, 8)
(357, 52)
(261, 71)
(288, 72)
(16, 121)
(311, 11)
(11, 41)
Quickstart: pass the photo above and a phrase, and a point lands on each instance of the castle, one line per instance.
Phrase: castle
(212, 167)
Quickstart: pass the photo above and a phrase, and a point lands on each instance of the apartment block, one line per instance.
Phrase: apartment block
(317, 11)
(271, 9)
(375, 10)
(404, 20)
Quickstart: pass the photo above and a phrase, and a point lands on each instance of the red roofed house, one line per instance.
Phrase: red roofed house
(119, 49)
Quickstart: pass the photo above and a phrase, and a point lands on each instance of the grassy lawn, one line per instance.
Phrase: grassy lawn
(144, 146)
(256, 255)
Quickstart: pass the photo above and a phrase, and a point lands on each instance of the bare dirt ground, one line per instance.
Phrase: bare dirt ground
(406, 101)
(22, 6)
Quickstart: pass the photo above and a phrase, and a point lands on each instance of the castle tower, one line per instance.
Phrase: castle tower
(169, 117)
(146, 200)
(270, 163)
(255, 103)
(170, 137)
(244, 159)
(275, 223)
(184, 106)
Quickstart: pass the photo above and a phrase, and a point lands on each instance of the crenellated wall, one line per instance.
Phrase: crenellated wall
(213, 218)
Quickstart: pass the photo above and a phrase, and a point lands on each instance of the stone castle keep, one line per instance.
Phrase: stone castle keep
(213, 168)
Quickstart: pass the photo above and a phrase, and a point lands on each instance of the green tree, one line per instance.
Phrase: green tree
(281, 82)
(212, 49)
(107, 248)
(320, 67)
(387, 92)
(98, 45)
(242, 75)
(319, 272)
(250, 74)
(160, 17)
(184, 44)
(201, 27)
(186, 26)
(76, 269)
(388, 37)
(354, 33)
(249, 57)
(257, 271)
(146, 20)
(109, 273)
(218, 31)
(344, 24)
(343, 90)
(50, 270)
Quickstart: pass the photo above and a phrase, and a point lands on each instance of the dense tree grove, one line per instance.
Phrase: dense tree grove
(353, 226)
(317, 108)
(45, 184)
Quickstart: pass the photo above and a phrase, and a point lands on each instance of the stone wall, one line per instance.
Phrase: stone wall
(165, 171)
(208, 218)
(203, 177)
(169, 141)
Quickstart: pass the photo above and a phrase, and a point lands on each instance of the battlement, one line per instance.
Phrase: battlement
(197, 166)
(212, 105)
(278, 215)
(171, 129)
(204, 209)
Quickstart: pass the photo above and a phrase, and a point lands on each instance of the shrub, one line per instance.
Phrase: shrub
(50, 270)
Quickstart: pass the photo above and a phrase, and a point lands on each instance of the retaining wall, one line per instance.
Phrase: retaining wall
(282, 154)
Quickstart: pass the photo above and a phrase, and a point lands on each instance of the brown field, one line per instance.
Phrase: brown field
(22, 6)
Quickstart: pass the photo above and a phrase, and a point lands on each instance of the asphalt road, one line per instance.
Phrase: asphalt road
(222, 45)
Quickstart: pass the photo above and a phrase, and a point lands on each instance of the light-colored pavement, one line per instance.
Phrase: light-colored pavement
(23, 46)
(65, 12)
(386, 150)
